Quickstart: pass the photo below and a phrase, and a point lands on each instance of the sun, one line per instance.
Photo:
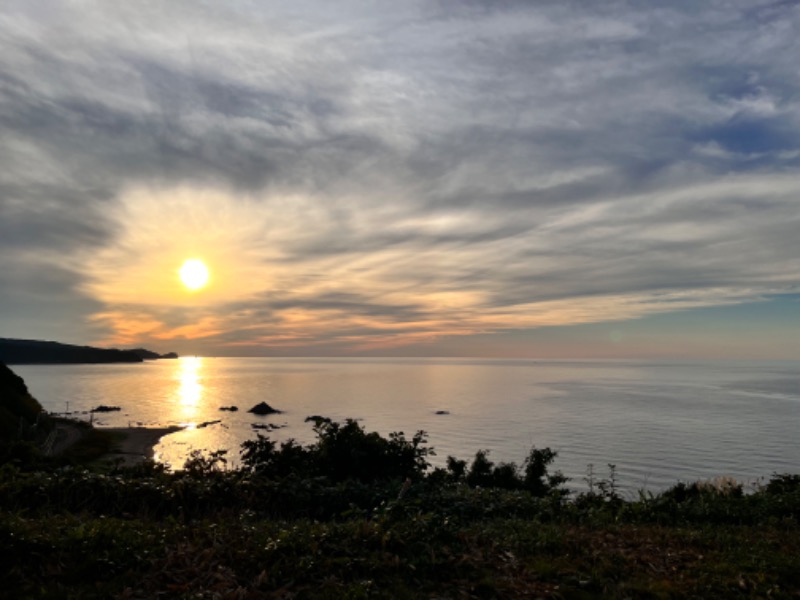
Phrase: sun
(194, 274)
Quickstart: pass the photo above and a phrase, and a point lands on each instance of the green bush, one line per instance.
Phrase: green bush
(341, 452)
(533, 477)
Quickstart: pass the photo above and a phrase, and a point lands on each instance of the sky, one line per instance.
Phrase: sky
(550, 179)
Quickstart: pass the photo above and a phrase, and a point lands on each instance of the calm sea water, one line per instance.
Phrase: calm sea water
(658, 422)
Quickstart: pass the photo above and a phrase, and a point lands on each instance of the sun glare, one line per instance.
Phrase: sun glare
(194, 274)
(191, 390)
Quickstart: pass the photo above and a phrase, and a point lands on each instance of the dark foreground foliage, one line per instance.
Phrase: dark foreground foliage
(356, 515)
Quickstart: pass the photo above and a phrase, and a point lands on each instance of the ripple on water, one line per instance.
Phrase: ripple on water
(658, 422)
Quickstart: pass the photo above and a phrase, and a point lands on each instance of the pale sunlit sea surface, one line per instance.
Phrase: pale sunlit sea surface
(658, 422)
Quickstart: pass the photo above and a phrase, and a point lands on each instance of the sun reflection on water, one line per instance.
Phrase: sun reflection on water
(190, 390)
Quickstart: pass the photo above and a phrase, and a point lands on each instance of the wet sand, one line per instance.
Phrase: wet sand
(136, 443)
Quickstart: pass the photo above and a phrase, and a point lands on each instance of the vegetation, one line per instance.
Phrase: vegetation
(19, 411)
(357, 515)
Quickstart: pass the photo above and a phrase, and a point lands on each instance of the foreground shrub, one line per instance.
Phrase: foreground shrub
(533, 477)
(341, 452)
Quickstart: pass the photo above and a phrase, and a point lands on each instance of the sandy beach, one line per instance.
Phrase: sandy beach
(136, 443)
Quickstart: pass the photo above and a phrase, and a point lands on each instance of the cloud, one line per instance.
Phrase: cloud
(369, 177)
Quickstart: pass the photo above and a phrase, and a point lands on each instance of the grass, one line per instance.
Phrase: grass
(77, 555)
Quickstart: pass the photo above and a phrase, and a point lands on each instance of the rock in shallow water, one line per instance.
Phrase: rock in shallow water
(262, 408)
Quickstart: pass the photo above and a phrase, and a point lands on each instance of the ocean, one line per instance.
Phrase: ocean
(658, 422)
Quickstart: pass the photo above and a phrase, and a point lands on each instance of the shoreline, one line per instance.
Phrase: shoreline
(136, 444)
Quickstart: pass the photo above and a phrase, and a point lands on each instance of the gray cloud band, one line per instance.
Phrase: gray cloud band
(522, 153)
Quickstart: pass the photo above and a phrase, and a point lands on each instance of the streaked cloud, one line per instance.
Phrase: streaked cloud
(367, 177)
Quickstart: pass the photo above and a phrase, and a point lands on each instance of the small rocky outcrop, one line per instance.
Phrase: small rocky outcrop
(262, 408)
(268, 426)
(229, 408)
(103, 409)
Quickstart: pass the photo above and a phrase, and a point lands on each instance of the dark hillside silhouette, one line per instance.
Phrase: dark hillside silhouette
(145, 354)
(16, 404)
(22, 352)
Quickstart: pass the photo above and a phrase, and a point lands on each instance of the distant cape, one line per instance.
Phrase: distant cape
(26, 352)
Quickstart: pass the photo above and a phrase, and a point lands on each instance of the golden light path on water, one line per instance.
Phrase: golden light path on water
(190, 390)
(188, 406)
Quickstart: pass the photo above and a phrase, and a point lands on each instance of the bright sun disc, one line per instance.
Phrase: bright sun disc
(194, 274)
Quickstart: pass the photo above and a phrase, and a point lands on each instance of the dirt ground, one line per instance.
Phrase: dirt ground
(131, 444)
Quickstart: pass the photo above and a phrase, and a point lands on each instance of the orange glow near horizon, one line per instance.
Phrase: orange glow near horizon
(263, 281)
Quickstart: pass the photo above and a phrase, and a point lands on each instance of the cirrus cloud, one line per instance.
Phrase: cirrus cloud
(363, 177)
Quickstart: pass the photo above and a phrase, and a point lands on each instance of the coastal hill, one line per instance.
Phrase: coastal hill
(16, 403)
(150, 355)
(14, 351)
